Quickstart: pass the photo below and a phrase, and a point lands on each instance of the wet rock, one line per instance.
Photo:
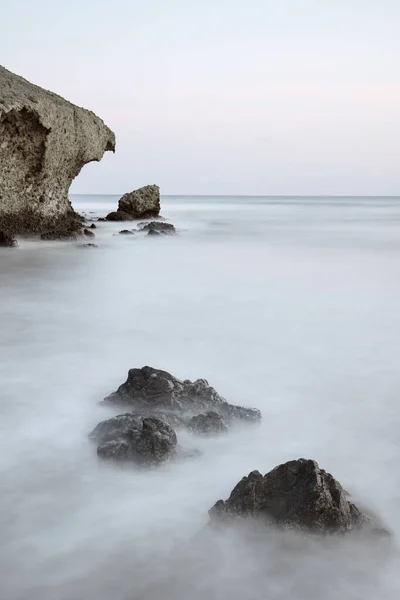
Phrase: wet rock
(128, 437)
(153, 232)
(119, 216)
(87, 246)
(210, 422)
(45, 142)
(88, 233)
(159, 227)
(142, 203)
(127, 232)
(101, 219)
(92, 226)
(297, 494)
(150, 389)
(7, 240)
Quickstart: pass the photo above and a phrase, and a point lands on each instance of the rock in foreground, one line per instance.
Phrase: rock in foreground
(151, 390)
(7, 240)
(297, 494)
(44, 143)
(134, 438)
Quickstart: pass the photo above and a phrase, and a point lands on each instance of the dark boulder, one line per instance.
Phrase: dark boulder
(127, 232)
(152, 390)
(7, 240)
(119, 216)
(159, 227)
(128, 437)
(297, 494)
(210, 422)
(92, 226)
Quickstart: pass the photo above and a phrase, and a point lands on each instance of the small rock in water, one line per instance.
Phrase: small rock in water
(210, 422)
(7, 240)
(102, 219)
(88, 233)
(87, 246)
(61, 235)
(153, 390)
(127, 232)
(92, 226)
(297, 494)
(119, 216)
(142, 203)
(159, 227)
(144, 440)
(153, 232)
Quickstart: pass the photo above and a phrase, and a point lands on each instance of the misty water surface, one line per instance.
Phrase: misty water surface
(288, 305)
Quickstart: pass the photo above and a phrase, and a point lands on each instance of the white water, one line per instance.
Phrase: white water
(290, 306)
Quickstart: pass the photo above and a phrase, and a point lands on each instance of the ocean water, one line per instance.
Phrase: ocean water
(288, 304)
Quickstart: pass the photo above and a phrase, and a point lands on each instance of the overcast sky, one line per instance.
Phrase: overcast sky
(224, 96)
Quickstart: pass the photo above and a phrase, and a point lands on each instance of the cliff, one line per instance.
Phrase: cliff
(44, 143)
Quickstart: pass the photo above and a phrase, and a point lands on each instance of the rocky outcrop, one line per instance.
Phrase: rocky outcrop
(118, 216)
(143, 203)
(128, 437)
(297, 494)
(44, 143)
(210, 422)
(150, 390)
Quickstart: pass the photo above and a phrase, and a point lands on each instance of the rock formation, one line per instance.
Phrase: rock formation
(143, 203)
(297, 494)
(134, 438)
(149, 390)
(44, 143)
(158, 227)
(210, 422)
(7, 240)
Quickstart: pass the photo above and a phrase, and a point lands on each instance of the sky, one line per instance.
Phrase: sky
(283, 97)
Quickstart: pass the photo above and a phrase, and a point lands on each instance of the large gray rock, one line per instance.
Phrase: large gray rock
(143, 203)
(44, 143)
(128, 437)
(297, 494)
(151, 390)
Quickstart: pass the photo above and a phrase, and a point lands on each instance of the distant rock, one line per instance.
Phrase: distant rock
(127, 232)
(153, 232)
(87, 246)
(44, 143)
(119, 216)
(92, 226)
(159, 227)
(128, 437)
(142, 203)
(102, 219)
(7, 240)
(297, 494)
(88, 233)
(210, 422)
(152, 390)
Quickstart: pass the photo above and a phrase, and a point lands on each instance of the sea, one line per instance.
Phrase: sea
(288, 304)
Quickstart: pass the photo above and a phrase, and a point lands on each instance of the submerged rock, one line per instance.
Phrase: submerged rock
(210, 422)
(142, 203)
(87, 246)
(118, 216)
(297, 494)
(159, 227)
(44, 143)
(144, 440)
(7, 240)
(127, 232)
(153, 232)
(150, 389)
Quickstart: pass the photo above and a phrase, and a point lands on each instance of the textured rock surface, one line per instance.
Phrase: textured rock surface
(144, 440)
(117, 216)
(150, 389)
(142, 203)
(44, 143)
(210, 422)
(295, 494)
(7, 240)
(159, 227)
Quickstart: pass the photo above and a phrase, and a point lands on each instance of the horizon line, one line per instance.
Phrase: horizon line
(254, 195)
